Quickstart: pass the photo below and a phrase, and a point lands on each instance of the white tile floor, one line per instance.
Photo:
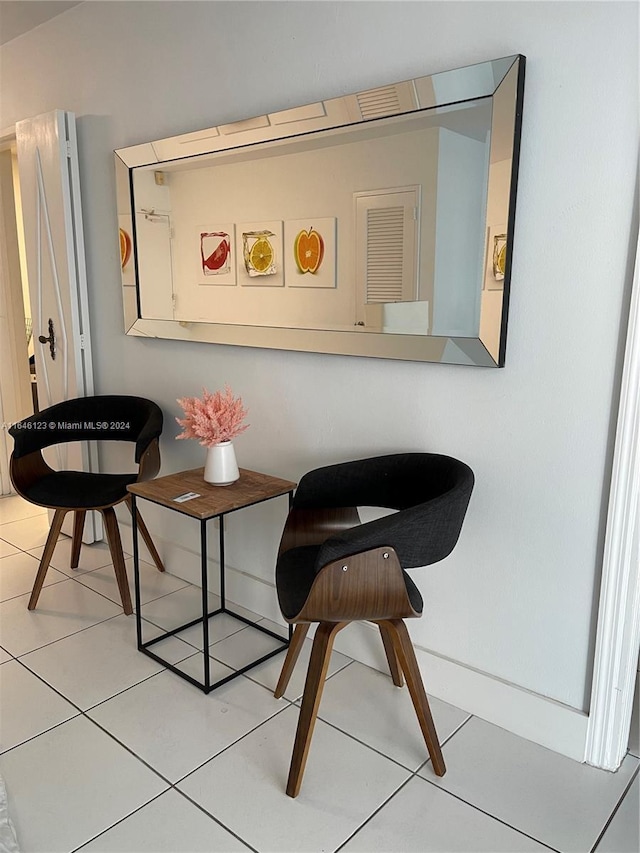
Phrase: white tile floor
(102, 749)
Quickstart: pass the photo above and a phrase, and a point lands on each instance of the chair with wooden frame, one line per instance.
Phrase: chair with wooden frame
(103, 418)
(333, 570)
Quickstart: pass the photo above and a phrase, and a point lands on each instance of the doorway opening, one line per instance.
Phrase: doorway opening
(18, 386)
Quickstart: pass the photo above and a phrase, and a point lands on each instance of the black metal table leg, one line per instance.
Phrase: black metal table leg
(205, 604)
(136, 568)
(146, 647)
(223, 594)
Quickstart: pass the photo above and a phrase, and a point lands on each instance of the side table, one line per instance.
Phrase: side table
(186, 492)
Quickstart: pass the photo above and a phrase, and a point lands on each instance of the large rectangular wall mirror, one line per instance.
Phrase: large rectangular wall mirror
(376, 224)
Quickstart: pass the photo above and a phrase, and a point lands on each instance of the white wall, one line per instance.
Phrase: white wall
(517, 597)
(463, 171)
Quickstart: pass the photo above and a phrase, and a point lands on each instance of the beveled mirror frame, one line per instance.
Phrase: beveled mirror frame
(501, 81)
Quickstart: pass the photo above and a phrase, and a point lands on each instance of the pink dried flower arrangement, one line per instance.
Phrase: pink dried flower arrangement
(213, 418)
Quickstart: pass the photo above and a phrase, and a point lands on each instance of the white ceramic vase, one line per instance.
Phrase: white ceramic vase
(221, 468)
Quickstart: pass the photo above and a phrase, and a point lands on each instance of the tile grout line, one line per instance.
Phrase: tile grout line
(85, 711)
(188, 642)
(128, 749)
(634, 776)
(72, 634)
(157, 797)
(85, 714)
(373, 748)
(293, 701)
(215, 819)
(472, 805)
(46, 586)
(477, 808)
(234, 743)
(412, 775)
(16, 520)
(375, 812)
(93, 625)
(39, 734)
(55, 583)
(415, 773)
(491, 816)
(106, 829)
(97, 568)
(81, 711)
(119, 603)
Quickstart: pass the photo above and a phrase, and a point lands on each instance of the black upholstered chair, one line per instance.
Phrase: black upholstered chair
(333, 570)
(103, 418)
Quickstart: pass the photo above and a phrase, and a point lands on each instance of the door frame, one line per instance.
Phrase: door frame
(618, 630)
(58, 131)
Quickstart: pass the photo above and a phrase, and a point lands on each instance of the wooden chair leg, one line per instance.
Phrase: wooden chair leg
(117, 557)
(293, 652)
(76, 544)
(409, 664)
(142, 527)
(392, 658)
(47, 554)
(316, 674)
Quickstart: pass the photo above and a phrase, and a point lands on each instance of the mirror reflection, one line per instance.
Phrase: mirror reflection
(384, 216)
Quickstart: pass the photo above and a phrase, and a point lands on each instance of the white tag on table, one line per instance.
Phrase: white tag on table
(188, 496)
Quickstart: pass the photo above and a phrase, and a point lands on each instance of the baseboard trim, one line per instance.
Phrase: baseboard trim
(522, 712)
(529, 715)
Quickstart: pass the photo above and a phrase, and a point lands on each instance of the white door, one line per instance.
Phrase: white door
(387, 229)
(153, 239)
(54, 248)
(15, 381)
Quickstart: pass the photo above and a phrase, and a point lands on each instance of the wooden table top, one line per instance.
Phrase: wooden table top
(252, 487)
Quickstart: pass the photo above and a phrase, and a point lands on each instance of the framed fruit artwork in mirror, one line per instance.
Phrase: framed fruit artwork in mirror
(259, 256)
(310, 252)
(216, 254)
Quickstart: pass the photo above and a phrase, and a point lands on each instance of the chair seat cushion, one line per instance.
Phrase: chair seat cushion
(296, 572)
(79, 489)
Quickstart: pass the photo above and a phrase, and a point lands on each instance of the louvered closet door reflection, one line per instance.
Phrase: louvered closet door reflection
(387, 224)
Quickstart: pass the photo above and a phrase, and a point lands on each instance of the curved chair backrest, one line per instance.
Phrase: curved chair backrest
(110, 417)
(431, 493)
(333, 570)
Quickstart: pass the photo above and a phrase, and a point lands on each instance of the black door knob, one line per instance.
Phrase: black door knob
(51, 340)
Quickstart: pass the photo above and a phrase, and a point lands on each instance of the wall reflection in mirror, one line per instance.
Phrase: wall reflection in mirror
(379, 223)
